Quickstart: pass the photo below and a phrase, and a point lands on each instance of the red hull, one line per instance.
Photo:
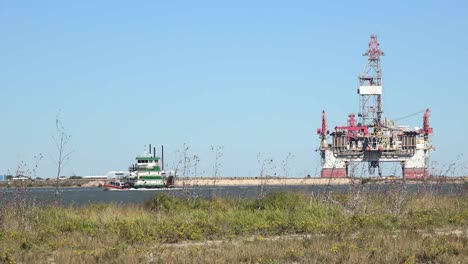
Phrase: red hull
(333, 173)
(415, 173)
(112, 187)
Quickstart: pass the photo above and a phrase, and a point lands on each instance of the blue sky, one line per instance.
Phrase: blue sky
(251, 76)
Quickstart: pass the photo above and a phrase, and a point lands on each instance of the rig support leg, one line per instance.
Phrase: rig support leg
(417, 166)
(333, 167)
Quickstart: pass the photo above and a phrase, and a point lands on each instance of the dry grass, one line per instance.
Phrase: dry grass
(281, 228)
(370, 246)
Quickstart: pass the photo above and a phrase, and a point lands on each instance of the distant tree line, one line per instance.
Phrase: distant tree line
(74, 177)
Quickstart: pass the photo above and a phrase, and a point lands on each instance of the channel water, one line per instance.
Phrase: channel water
(84, 196)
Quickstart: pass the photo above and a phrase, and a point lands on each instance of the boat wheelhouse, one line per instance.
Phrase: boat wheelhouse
(148, 171)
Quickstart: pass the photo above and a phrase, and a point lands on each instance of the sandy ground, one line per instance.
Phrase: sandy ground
(251, 181)
(244, 182)
(254, 182)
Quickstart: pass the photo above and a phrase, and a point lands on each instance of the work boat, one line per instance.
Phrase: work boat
(117, 185)
(146, 173)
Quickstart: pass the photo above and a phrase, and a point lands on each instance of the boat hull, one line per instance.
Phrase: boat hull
(114, 188)
(149, 183)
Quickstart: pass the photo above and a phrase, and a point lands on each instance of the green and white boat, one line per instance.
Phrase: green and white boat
(147, 173)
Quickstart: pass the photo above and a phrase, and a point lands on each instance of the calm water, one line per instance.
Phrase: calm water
(83, 196)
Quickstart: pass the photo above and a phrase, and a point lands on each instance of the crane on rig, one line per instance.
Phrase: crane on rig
(372, 138)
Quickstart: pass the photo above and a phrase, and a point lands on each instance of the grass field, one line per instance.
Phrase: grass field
(357, 227)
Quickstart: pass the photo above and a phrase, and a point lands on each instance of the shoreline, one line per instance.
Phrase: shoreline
(242, 181)
(258, 181)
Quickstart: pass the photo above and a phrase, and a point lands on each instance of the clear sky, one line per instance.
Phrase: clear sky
(251, 76)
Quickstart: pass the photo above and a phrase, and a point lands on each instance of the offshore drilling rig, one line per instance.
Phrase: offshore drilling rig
(371, 138)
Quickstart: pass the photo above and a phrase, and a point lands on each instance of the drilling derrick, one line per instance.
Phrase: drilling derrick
(370, 86)
(373, 139)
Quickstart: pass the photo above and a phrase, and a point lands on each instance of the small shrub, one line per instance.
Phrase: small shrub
(162, 201)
